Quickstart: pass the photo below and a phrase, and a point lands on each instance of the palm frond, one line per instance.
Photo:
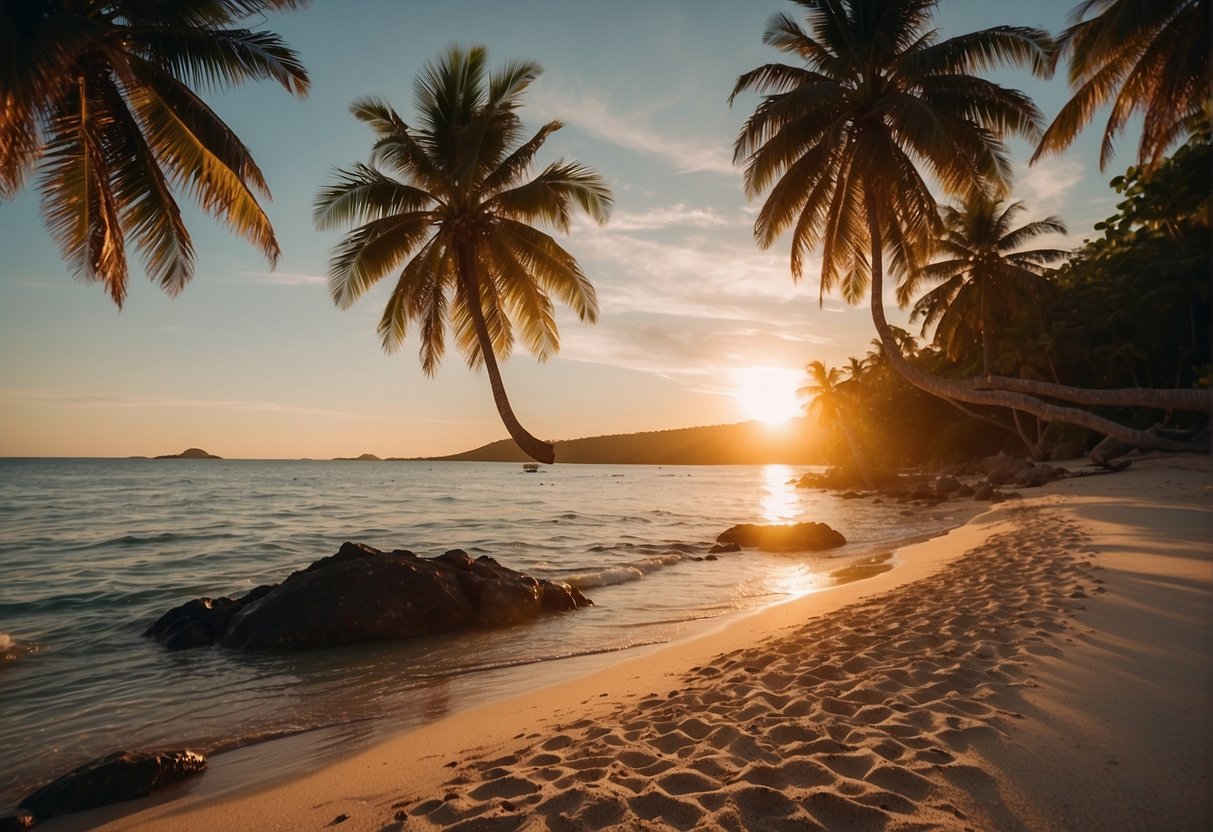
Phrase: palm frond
(363, 193)
(219, 58)
(78, 206)
(371, 251)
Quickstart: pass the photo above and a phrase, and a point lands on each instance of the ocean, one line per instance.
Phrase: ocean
(94, 550)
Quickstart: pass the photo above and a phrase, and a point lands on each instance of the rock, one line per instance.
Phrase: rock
(965, 490)
(723, 548)
(983, 492)
(946, 485)
(783, 538)
(125, 775)
(361, 594)
(1003, 468)
(201, 622)
(1066, 449)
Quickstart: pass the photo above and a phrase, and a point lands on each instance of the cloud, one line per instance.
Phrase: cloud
(41, 398)
(274, 278)
(696, 274)
(594, 114)
(1047, 185)
(678, 215)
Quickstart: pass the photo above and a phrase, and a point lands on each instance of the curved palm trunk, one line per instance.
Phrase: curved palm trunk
(536, 449)
(968, 392)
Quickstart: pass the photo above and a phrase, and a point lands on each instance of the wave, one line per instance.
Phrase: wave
(130, 541)
(625, 572)
(530, 660)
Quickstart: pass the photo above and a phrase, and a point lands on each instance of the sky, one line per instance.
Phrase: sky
(253, 363)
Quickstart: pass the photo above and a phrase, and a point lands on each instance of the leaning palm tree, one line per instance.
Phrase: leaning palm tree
(845, 144)
(448, 206)
(1145, 57)
(100, 99)
(983, 270)
(830, 400)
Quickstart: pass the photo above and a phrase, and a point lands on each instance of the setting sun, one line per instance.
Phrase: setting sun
(768, 394)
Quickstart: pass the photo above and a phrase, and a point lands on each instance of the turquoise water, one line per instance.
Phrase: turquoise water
(93, 550)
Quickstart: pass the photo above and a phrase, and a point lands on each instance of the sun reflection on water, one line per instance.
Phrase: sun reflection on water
(797, 580)
(780, 502)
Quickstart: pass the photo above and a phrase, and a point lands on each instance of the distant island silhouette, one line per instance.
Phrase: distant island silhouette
(359, 458)
(798, 442)
(189, 453)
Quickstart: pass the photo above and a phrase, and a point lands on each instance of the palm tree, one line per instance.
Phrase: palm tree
(830, 400)
(983, 271)
(841, 143)
(99, 98)
(1147, 57)
(448, 204)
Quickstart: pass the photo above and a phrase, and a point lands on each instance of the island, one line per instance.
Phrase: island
(189, 453)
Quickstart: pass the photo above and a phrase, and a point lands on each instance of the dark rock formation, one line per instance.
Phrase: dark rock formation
(783, 538)
(946, 485)
(1004, 469)
(125, 775)
(722, 548)
(361, 594)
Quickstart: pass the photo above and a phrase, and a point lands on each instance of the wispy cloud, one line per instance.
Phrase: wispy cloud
(592, 112)
(1046, 186)
(696, 274)
(43, 398)
(274, 278)
(678, 215)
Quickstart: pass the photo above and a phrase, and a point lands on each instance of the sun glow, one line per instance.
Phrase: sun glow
(768, 394)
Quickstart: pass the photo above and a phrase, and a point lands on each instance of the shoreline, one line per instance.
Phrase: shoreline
(670, 777)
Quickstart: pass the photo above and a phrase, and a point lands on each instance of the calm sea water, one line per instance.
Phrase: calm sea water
(93, 550)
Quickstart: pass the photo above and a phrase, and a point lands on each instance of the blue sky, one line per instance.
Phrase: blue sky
(252, 363)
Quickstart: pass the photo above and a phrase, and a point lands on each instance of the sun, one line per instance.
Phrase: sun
(768, 394)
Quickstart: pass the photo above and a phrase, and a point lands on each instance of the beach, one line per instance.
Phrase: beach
(1044, 667)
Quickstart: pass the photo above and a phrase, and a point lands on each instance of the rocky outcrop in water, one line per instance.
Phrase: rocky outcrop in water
(361, 594)
(125, 775)
(796, 537)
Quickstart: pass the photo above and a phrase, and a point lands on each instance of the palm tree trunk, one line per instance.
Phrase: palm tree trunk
(967, 392)
(536, 449)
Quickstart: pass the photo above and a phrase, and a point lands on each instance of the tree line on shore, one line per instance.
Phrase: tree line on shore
(851, 148)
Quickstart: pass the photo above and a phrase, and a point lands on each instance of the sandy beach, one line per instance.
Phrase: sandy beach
(1044, 667)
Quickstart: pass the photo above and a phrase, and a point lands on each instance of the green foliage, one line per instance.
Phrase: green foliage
(1136, 300)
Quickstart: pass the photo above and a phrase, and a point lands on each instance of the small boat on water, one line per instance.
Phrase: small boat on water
(530, 467)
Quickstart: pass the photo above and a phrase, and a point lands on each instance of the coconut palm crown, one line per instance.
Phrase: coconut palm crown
(100, 99)
(879, 104)
(448, 205)
(1144, 57)
(983, 274)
